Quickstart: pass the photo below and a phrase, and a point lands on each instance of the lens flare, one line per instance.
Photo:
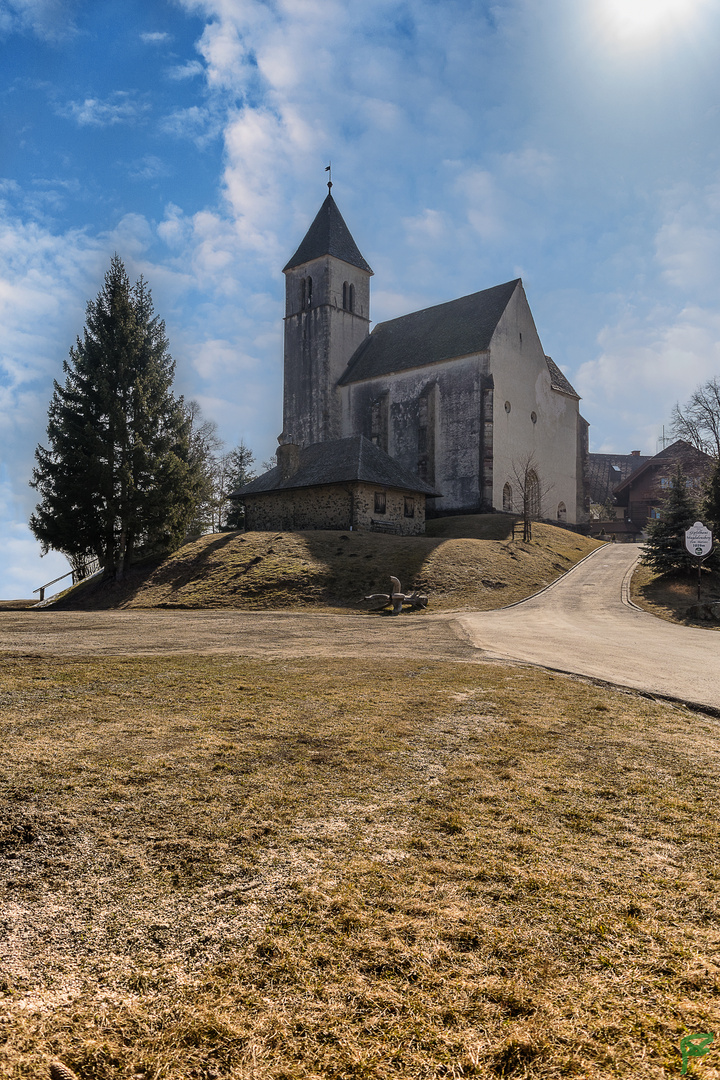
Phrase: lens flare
(645, 21)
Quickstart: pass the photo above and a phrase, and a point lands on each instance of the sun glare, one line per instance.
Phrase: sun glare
(640, 22)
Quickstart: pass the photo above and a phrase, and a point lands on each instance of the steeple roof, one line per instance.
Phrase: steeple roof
(328, 235)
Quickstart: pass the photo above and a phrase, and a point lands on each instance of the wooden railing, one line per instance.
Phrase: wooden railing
(78, 573)
(47, 584)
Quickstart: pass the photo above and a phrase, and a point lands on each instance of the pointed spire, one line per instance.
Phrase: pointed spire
(328, 235)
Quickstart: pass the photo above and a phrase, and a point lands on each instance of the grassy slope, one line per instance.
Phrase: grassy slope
(217, 868)
(468, 562)
(669, 596)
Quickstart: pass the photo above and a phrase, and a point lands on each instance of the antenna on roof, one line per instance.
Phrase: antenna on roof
(328, 169)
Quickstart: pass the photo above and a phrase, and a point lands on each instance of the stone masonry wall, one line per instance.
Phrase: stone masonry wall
(335, 506)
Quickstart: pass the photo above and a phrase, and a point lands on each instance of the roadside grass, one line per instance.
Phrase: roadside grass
(215, 867)
(472, 562)
(670, 596)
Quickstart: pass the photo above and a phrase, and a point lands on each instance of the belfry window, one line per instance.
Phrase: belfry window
(306, 293)
(345, 295)
(351, 298)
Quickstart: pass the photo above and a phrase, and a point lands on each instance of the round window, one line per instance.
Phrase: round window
(533, 417)
(507, 406)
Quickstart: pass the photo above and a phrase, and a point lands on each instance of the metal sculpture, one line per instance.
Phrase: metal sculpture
(397, 598)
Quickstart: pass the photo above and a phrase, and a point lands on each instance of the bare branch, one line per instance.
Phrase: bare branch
(698, 422)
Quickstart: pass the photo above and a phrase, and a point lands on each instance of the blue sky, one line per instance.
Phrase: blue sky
(572, 144)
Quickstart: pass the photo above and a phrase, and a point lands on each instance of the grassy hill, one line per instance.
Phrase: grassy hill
(463, 562)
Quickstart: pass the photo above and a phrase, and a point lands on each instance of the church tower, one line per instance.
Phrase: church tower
(327, 315)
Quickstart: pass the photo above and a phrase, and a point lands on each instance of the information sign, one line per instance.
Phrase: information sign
(699, 540)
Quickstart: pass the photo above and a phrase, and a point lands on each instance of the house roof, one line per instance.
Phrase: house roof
(558, 380)
(458, 328)
(678, 452)
(340, 461)
(604, 472)
(328, 235)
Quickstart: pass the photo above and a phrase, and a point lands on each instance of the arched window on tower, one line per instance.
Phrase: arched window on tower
(351, 298)
(345, 296)
(305, 293)
(507, 499)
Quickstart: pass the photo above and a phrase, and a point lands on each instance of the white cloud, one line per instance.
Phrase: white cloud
(92, 112)
(185, 71)
(149, 167)
(647, 363)
(156, 37)
(198, 123)
(50, 20)
(688, 241)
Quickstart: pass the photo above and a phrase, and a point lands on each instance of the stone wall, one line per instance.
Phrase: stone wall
(434, 418)
(336, 506)
(396, 516)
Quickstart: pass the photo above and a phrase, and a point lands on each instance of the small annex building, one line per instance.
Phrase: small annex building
(341, 484)
(460, 396)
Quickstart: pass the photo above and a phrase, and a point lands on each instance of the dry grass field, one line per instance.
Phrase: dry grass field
(463, 562)
(669, 596)
(216, 867)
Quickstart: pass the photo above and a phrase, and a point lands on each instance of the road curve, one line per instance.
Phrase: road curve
(584, 624)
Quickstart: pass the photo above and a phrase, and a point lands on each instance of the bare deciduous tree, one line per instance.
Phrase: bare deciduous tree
(531, 491)
(698, 422)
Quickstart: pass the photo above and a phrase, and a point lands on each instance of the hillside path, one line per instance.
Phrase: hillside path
(584, 624)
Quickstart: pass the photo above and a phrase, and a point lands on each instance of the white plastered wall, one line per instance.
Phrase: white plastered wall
(521, 377)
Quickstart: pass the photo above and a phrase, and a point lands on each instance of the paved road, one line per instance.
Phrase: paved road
(585, 624)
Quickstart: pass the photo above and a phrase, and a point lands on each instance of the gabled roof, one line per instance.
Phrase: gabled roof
(558, 380)
(340, 461)
(604, 472)
(459, 328)
(328, 235)
(677, 453)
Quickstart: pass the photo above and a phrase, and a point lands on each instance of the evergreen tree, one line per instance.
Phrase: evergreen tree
(239, 465)
(665, 549)
(710, 511)
(116, 476)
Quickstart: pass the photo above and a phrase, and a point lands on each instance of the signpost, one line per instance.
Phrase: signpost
(699, 542)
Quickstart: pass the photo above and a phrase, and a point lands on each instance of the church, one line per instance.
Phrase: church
(453, 401)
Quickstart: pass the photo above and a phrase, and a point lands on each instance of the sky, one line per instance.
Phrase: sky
(575, 145)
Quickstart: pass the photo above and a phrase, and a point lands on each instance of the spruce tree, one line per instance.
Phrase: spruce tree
(710, 510)
(240, 472)
(115, 477)
(665, 549)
